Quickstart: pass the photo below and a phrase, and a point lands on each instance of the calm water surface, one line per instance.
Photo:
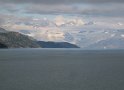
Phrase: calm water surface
(61, 69)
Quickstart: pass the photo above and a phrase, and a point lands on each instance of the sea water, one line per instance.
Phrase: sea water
(61, 69)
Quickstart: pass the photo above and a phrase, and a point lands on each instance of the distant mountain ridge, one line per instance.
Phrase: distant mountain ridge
(2, 30)
(3, 46)
(112, 43)
(56, 44)
(18, 40)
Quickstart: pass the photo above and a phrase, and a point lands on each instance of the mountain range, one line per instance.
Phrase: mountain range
(9, 39)
(50, 44)
(86, 39)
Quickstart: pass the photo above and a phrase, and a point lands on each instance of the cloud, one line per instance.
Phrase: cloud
(12, 21)
(9, 7)
(60, 20)
(59, 1)
(93, 9)
(113, 9)
(1, 21)
(50, 9)
(66, 22)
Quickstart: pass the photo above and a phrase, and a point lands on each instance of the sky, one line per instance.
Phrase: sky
(61, 20)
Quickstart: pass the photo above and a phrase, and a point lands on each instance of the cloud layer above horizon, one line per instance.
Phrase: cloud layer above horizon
(61, 1)
(63, 19)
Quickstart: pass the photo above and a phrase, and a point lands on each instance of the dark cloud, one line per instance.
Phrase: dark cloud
(60, 1)
(93, 10)
(51, 9)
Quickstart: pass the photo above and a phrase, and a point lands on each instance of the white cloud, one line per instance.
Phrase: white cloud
(122, 35)
(74, 21)
(52, 34)
(60, 20)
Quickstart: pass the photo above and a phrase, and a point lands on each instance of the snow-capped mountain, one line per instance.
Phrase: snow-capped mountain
(85, 32)
(84, 38)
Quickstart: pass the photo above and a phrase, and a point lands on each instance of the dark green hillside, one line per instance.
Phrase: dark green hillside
(17, 40)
